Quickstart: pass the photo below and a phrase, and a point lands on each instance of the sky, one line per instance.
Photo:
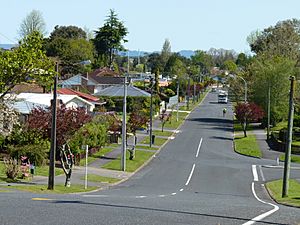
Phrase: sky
(188, 24)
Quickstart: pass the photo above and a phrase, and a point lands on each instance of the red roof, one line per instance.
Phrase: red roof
(68, 91)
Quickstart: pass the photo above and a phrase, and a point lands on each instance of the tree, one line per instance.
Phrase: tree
(33, 22)
(164, 117)
(248, 112)
(137, 120)
(165, 52)
(282, 40)
(70, 45)
(229, 65)
(26, 63)
(69, 120)
(272, 72)
(68, 32)
(109, 38)
(202, 59)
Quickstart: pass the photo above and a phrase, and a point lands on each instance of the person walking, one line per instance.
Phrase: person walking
(224, 112)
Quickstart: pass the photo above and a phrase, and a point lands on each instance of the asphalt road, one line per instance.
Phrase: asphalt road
(195, 179)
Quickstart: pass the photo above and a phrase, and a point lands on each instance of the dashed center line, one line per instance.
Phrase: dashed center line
(181, 189)
(190, 176)
(199, 146)
(174, 193)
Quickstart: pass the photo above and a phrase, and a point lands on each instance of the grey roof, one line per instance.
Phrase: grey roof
(118, 90)
(25, 107)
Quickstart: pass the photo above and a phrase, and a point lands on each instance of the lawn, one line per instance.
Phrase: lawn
(294, 158)
(160, 133)
(157, 141)
(238, 127)
(275, 189)
(173, 124)
(59, 189)
(247, 146)
(97, 155)
(131, 165)
(97, 178)
(145, 147)
(44, 171)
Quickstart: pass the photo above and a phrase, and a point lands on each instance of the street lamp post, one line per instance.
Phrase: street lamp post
(123, 160)
(151, 111)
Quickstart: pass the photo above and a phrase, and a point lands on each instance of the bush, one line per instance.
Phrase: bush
(91, 134)
(28, 143)
(283, 133)
(12, 168)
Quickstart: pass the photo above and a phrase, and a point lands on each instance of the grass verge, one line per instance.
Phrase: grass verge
(247, 146)
(157, 141)
(59, 189)
(275, 190)
(145, 147)
(160, 133)
(172, 123)
(294, 158)
(44, 171)
(97, 155)
(131, 165)
(97, 178)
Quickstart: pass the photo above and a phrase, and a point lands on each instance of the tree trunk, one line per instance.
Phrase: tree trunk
(244, 125)
(68, 178)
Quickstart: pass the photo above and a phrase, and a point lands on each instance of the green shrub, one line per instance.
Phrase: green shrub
(12, 168)
(28, 143)
(91, 134)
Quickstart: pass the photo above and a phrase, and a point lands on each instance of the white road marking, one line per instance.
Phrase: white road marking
(254, 171)
(95, 196)
(162, 196)
(181, 189)
(264, 215)
(190, 176)
(171, 138)
(174, 193)
(141, 196)
(199, 146)
(261, 173)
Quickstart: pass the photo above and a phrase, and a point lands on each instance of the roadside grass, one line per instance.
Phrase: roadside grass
(131, 165)
(97, 155)
(247, 146)
(97, 178)
(157, 141)
(39, 171)
(275, 190)
(294, 158)
(238, 127)
(145, 147)
(44, 171)
(160, 133)
(172, 123)
(58, 189)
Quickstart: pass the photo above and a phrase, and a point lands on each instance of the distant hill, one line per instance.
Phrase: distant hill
(134, 53)
(6, 46)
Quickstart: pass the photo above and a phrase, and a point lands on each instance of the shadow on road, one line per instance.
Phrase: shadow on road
(221, 138)
(161, 210)
(216, 123)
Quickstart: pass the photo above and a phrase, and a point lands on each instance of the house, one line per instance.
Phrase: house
(118, 90)
(94, 81)
(71, 101)
(90, 98)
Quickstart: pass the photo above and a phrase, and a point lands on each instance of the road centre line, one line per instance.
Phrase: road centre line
(190, 176)
(199, 146)
(254, 171)
(264, 215)
(181, 189)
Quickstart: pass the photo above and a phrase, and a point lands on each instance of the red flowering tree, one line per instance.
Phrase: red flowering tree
(137, 120)
(248, 112)
(164, 117)
(69, 120)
